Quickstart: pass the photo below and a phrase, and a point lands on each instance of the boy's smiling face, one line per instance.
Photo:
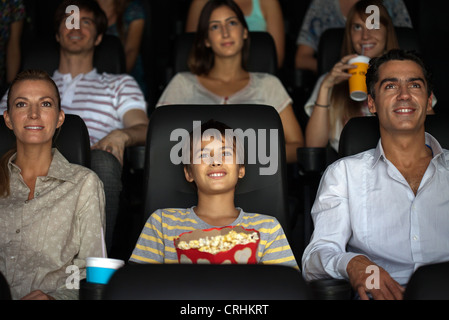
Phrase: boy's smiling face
(217, 171)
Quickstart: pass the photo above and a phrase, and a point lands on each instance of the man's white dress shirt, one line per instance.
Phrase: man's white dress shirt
(365, 206)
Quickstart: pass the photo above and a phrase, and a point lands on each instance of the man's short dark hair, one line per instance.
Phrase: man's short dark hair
(100, 19)
(372, 76)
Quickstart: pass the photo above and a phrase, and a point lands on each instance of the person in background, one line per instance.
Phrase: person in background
(219, 76)
(328, 14)
(112, 106)
(330, 106)
(12, 16)
(384, 212)
(126, 20)
(260, 15)
(52, 212)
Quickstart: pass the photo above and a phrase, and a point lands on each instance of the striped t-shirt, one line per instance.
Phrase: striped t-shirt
(156, 242)
(101, 100)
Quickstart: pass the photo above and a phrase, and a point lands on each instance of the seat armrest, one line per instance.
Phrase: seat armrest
(331, 289)
(135, 156)
(311, 160)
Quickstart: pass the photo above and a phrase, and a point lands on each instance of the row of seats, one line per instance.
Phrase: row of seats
(165, 187)
(280, 208)
(240, 282)
(46, 56)
(166, 20)
(149, 160)
(252, 282)
(164, 183)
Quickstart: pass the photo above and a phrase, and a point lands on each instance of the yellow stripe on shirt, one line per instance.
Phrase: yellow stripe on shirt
(173, 218)
(149, 249)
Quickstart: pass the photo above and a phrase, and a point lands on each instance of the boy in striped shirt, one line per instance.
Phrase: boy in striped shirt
(214, 172)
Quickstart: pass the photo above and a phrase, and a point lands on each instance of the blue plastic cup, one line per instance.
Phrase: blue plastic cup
(100, 270)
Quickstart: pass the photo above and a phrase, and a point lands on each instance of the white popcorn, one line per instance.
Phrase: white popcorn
(219, 243)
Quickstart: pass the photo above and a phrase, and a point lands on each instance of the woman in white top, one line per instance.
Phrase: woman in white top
(219, 74)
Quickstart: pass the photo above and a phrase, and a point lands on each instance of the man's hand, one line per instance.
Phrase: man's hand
(388, 289)
(114, 143)
(37, 295)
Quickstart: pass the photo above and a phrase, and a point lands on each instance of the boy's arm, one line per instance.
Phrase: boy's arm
(277, 249)
(150, 246)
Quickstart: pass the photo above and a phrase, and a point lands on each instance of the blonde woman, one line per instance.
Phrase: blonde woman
(51, 211)
(330, 106)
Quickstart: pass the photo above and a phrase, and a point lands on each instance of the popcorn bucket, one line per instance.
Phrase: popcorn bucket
(228, 245)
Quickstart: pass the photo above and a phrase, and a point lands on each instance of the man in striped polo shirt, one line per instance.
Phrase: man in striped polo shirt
(112, 106)
(214, 176)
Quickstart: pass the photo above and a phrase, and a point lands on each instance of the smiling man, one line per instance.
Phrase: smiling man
(382, 213)
(112, 105)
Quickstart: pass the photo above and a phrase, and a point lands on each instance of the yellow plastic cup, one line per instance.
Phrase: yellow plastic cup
(357, 82)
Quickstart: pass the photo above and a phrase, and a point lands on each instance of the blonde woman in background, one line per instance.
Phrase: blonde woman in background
(330, 106)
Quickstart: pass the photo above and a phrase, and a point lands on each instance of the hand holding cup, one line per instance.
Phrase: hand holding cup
(357, 80)
(339, 72)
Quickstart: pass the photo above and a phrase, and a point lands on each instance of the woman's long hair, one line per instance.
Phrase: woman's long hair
(202, 58)
(343, 107)
(36, 75)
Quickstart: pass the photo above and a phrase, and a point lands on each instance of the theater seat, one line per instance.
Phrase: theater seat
(362, 133)
(262, 53)
(165, 185)
(72, 141)
(206, 282)
(43, 54)
(430, 282)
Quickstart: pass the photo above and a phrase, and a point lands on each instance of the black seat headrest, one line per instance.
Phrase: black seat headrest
(206, 282)
(262, 54)
(44, 55)
(72, 141)
(429, 282)
(165, 183)
(362, 133)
